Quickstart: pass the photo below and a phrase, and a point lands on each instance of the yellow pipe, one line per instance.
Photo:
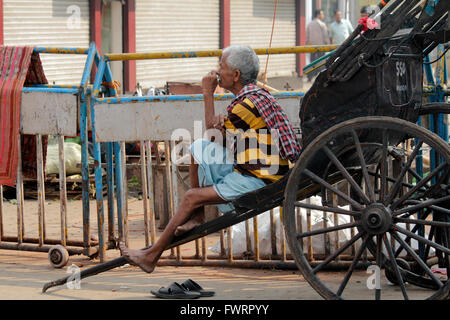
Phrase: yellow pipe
(213, 53)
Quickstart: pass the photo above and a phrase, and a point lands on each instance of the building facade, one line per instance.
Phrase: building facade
(158, 25)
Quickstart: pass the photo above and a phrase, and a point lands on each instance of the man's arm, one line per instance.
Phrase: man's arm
(209, 84)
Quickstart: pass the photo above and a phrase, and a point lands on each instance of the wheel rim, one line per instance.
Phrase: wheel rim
(56, 257)
(380, 207)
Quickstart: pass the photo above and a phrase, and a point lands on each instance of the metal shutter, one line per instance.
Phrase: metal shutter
(178, 25)
(251, 24)
(50, 23)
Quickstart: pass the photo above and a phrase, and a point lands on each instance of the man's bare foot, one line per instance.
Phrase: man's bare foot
(137, 258)
(195, 221)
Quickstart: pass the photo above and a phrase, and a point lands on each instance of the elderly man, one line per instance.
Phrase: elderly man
(263, 145)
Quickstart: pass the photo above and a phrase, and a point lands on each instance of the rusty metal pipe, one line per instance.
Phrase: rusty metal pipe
(150, 193)
(37, 248)
(41, 189)
(62, 191)
(74, 243)
(144, 193)
(19, 194)
(256, 237)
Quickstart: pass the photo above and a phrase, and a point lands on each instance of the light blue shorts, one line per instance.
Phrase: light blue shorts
(216, 169)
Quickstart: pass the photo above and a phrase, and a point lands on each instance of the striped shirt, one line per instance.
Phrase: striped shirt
(254, 123)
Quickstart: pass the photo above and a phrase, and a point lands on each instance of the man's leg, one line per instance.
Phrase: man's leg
(192, 200)
(198, 216)
(193, 173)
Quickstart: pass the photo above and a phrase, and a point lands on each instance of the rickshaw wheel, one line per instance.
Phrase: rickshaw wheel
(376, 216)
(58, 256)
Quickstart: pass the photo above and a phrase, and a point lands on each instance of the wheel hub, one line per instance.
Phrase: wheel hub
(56, 256)
(376, 219)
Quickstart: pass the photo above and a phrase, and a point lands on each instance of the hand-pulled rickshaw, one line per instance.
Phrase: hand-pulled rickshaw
(358, 124)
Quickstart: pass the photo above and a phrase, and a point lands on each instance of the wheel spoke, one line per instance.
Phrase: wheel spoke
(383, 167)
(417, 258)
(347, 175)
(338, 252)
(389, 179)
(333, 189)
(445, 239)
(378, 259)
(352, 267)
(435, 208)
(417, 176)
(326, 230)
(424, 222)
(420, 184)
(395, 266)
(421, 205)
(363, 166)
(421, 239)
(430, 236)
(397, 184)
(327, 209)
(413, 230)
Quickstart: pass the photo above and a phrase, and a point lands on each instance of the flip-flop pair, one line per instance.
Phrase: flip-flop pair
(189, 289)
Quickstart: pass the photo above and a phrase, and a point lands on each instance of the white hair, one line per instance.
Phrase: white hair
(245, 60)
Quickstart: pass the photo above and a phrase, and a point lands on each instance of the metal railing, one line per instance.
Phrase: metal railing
(77, 95)
(90, 101)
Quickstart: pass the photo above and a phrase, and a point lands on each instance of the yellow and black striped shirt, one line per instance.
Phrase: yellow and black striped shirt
(255, 152)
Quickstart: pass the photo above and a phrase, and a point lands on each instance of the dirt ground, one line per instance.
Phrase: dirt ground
(23, 273)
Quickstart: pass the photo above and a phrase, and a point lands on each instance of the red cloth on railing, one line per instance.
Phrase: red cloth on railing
(18, 65)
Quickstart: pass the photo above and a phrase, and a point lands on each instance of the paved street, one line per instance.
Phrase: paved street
(22, 275)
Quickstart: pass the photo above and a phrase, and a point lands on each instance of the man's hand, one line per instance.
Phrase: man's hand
(209, 83)
(219, 121)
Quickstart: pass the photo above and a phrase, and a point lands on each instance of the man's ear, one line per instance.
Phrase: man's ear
(236, 75)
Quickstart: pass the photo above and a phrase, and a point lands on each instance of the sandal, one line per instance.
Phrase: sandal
(175, 291)
(193, 286)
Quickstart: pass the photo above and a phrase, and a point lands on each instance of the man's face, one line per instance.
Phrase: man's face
(338, 17)
(227, 76)
(364, 14)
(321, 16)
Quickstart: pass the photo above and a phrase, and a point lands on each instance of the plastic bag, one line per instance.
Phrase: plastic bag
(72, 158)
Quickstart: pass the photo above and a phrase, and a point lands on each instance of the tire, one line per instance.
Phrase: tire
(58, 256)
(375, 215)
